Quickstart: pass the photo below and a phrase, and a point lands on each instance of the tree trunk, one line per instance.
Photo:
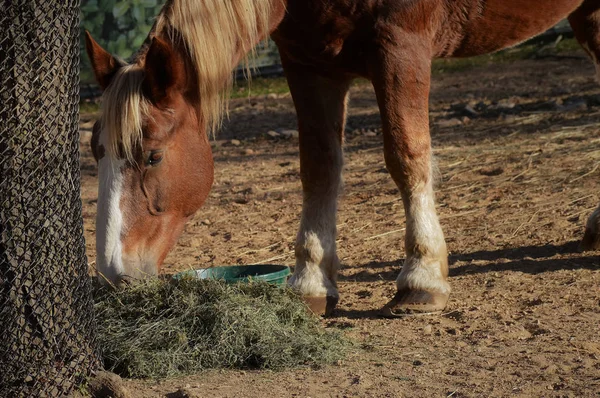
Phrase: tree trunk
(46, 321)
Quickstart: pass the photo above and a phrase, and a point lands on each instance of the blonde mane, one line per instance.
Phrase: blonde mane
(216, 34)
(123, 111)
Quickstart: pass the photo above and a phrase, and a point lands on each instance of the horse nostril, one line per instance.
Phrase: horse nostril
(156, 203)
(158, 208)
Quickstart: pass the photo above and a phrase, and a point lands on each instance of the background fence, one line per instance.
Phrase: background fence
(46, 314)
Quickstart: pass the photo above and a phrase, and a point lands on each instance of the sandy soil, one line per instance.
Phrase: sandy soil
(517, 179)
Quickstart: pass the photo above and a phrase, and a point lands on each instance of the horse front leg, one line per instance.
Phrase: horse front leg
(585, 22)
(401, 78)
(321, 108)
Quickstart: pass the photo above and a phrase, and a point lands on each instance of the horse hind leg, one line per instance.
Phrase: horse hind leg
(321, 109)
(585, 22)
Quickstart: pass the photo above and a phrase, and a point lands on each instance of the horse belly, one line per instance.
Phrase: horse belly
(486, 26)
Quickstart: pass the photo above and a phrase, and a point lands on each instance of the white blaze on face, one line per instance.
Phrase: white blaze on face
(109, 218)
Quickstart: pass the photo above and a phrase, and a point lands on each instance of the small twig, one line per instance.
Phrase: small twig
(385, 233)
(580, 212)
(275, 258)
(524, 223)
(579, 128)
(416, 315)
(360, 228)
(258, 250)
(520, 174)
(454, 187)
(455, 163)
(470, 186)
(583, 197)
(523, 172)
(460, 214)
(93, 265)
(586, 174)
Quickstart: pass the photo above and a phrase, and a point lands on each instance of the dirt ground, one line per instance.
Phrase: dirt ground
(518, 176)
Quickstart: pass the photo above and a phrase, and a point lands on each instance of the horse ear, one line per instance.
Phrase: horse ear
(104, 65)
(164, 71)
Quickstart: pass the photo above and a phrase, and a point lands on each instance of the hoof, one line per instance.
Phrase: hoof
(415, 302)
(590, 241)
(321, 305)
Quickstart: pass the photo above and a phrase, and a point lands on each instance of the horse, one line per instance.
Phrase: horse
(152, 139)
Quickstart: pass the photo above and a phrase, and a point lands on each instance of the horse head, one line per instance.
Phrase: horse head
(155, 166)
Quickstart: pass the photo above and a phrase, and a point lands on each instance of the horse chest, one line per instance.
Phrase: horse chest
(332, 36)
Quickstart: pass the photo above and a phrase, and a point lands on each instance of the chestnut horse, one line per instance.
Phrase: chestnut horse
(152, 147)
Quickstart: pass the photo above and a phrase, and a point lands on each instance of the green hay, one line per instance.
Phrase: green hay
(164, 328)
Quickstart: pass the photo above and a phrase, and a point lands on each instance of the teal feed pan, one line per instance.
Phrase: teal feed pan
(273, 274)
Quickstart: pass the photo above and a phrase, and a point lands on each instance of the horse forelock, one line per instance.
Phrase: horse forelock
(124, 110)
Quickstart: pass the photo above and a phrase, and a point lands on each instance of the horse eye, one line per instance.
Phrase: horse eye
(154, 157)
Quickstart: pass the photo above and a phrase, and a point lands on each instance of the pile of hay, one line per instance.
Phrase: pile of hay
(163, 328)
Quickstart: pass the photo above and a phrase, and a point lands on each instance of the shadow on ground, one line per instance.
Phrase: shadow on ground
(526, 259)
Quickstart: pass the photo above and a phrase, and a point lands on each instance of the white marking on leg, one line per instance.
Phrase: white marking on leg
(426, 248)
(109, 218)
(316, 258)
(312, 263)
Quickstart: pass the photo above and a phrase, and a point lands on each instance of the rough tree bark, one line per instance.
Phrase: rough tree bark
(46, 318)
